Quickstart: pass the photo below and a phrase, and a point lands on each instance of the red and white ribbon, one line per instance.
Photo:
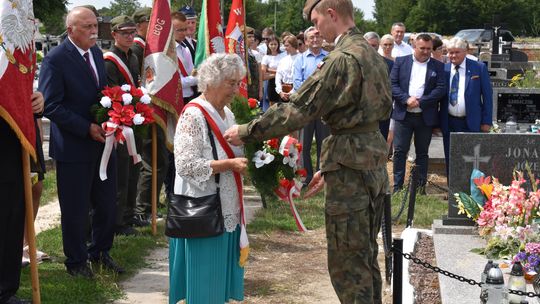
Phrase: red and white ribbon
(287, 194)
(111, 137)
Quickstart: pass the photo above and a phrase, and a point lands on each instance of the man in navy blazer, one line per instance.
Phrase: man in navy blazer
(72, 75)
(418, 84)
(470, 109)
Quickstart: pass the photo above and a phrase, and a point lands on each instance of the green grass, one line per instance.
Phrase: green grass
(278, 216)
(49, 188)
(58, 287)
(427, 208)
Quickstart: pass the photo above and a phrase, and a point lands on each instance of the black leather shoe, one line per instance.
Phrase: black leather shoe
(107, 262)
(126, 231)
(15, 300)
(83, 271)
(139, 220)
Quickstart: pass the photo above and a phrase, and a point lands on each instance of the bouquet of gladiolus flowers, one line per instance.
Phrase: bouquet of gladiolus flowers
(273, 168)
(122, 111)
(507, 215)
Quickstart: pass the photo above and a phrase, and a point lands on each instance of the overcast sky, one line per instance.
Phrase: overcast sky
(364, 5)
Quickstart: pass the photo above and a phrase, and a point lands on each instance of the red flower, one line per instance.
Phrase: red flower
(121, 115)
(146, 111)
(302, 172)
(253, 103)
(299, 147)
(273, 143)
(114, 93)
(285, 183)
(138, 93)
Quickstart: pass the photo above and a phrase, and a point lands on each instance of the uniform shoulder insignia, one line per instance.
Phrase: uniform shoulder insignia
(319, 66)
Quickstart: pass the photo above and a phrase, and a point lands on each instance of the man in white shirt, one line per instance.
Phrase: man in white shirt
(401, 48)
(418, 84)
(185, 61)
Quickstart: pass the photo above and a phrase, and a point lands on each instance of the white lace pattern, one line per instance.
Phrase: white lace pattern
(193, 154)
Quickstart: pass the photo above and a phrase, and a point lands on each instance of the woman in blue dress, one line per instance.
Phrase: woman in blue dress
(207, 270)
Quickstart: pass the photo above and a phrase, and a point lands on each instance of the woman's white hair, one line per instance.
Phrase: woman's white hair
(457, 43)
(387, 37)
(218, 68)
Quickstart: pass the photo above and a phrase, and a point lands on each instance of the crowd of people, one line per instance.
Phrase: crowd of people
(363, 98)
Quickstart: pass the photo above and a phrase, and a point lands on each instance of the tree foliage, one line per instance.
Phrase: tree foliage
(123, 7)
(447, 17)
(51, 14)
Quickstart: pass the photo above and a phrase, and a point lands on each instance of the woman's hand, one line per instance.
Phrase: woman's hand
(239, 164)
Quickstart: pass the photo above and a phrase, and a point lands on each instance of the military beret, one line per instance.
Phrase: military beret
(142, 15)
(92, 8)
(122, 23)
(308, 8)
(188, 11)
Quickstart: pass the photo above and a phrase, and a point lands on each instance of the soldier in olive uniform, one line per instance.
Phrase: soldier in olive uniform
(351, 92)
(122, 67)
(141, 18)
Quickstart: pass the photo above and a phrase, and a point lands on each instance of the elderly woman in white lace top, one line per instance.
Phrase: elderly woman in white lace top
(206, 270)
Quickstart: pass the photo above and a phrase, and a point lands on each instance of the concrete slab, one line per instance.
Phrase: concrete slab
(439, 228)
(453, 254)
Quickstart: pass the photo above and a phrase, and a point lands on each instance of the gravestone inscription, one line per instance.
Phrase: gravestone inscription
(525, 107)
(495, 155)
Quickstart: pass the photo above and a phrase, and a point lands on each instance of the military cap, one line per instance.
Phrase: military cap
(188, 11)
(92, 8)
(122, 22)
(250, 30)
(142, 15)
(308, 8)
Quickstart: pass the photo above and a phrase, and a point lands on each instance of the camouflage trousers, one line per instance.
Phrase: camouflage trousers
(354, 206)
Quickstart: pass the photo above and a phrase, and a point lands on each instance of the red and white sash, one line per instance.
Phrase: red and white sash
(122, 67)
(140, 42)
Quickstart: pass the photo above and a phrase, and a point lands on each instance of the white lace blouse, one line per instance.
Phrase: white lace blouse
(193, 154)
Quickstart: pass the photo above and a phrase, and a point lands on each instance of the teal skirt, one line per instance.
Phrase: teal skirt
(206, 270)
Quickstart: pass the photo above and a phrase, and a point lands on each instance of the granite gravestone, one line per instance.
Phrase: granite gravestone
(495, 155)
(523, 104)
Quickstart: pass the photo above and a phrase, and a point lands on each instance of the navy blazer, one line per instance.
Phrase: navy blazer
(435, 89)
(70, 90)
(478, 96)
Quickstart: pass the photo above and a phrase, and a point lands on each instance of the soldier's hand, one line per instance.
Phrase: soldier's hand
(97, 133)
(316, 185)
(284, 96)
(37, 102)
(232, 136)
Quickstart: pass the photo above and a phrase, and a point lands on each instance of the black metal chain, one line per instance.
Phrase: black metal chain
(447, 273)
(405, 197)
(441, 188)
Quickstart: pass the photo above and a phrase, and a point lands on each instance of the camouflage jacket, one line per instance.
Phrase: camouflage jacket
(350, 91)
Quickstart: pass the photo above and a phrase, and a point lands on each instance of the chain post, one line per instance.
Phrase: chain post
(397, 288)
(413, 185)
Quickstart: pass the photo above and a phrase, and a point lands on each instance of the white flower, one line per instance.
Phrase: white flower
(138, 119)
(144, 90)
(146, 99)
(262, 158)
(292, 158)
(127, 98)
(126, 87)
(106, 101)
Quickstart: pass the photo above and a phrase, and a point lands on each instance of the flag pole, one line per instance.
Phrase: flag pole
(154, 179)
(246, 47)
(30, 232)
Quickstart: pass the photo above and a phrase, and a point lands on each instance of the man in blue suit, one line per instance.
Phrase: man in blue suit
(418, 84)
(469, 103)
(71, 78)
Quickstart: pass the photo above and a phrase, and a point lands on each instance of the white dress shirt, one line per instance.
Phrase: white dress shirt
(402, 49)
(82, 52)
(459, 109)
(285, 72)
(417, 82)
(188, 82)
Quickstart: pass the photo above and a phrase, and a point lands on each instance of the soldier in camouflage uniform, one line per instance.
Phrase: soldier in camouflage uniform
(350, 91)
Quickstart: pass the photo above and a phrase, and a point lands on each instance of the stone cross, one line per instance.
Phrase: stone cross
(476, 159)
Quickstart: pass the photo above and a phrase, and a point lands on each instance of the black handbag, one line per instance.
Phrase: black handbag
(196, 217)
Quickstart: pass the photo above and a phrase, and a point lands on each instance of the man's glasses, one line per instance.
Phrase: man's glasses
(126, 34)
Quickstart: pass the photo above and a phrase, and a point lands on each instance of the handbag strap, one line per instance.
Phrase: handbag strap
(214, 150)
